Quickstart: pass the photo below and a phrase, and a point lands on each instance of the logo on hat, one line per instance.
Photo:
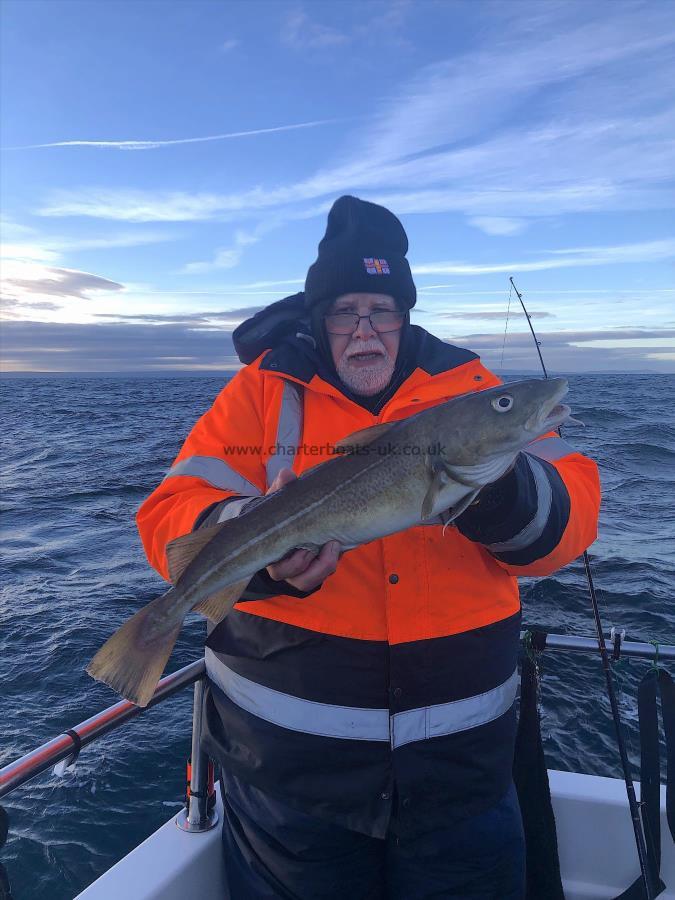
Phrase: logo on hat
(376, 266)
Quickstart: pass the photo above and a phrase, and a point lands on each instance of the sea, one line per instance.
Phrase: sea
(79, 454)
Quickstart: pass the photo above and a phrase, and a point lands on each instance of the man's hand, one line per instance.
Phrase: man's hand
(303, 569)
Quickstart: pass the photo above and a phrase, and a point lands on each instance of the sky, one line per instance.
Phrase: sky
(167, 168)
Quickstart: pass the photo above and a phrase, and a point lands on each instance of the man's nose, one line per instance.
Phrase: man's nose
(364, 329)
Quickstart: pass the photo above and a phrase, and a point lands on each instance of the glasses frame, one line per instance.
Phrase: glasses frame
(356, 317)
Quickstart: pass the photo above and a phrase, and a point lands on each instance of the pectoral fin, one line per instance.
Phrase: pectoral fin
(442, 474)
(439, 480)
(484, 472)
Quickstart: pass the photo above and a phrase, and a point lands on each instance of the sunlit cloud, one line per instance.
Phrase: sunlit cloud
(29, 286)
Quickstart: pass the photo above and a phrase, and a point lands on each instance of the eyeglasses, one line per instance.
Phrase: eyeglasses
(381, 321)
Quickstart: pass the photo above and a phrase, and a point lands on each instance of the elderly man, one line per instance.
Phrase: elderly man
(419, 626)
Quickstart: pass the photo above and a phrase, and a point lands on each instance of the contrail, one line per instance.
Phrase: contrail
(153, 145)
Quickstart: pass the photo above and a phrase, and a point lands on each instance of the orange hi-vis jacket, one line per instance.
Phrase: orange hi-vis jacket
(401, 669)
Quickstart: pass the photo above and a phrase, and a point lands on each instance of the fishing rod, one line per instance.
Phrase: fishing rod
(650, 887)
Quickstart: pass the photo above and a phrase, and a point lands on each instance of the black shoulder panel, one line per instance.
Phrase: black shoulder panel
(268, 327)
(294, 356)
(435, 356)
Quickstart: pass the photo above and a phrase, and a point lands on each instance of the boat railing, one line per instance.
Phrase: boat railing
(197, 816)
(66, 747)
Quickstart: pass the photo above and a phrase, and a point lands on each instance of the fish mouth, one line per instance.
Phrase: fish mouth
(556, 416)
(553, 413)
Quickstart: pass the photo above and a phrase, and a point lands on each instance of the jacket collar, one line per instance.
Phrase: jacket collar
(434, 364)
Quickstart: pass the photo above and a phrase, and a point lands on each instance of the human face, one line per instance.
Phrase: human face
(364, 360)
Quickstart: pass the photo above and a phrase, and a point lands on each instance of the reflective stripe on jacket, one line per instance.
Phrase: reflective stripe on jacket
(401, 667)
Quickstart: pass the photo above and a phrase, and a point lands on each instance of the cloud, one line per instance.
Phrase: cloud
(300, 32)
(465, 96)
(648, 251)
(500, 315)
(48, 347)
(29, 251)
(567, 338)
(254, 285)
(621, 350)
(40, 304)
(46, 248)
(151, 206)
(510, 131)
(229, 45)
(144, 346)
(225, 257)
(498, 225)
(35, 285)
(154, 145)
(194, 320)
(64, 283)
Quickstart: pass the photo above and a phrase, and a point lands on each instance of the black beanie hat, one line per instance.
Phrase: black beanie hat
(362, 251)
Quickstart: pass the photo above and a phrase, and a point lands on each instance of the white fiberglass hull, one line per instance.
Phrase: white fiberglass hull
(598, 858)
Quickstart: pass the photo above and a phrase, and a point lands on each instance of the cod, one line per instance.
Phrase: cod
(384, 479)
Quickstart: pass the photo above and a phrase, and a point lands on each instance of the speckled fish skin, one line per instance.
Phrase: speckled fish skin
(410, 471)
(379, 488)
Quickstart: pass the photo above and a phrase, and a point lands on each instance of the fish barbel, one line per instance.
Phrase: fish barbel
(385, 479)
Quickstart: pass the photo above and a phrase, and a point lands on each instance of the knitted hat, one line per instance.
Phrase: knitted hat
(362, 251)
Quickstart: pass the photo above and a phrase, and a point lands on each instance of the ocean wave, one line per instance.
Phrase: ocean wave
(81, 455)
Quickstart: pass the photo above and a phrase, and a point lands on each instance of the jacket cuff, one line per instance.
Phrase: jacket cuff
(223, 510)
(522, 516)
(487, 519)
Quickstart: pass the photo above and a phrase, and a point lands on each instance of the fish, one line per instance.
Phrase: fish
(380, 481)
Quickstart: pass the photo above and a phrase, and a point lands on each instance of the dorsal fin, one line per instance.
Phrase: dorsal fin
(181, 551)
(362, 437)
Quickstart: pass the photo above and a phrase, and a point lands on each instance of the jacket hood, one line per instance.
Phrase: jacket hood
(269, 327)
(284, 329)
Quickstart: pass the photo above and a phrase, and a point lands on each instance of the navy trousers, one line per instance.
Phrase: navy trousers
(274, 851)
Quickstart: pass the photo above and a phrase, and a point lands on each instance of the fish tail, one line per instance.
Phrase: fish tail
(131, 662)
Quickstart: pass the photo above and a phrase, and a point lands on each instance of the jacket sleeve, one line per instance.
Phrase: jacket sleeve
(221, 458)
(542, 514)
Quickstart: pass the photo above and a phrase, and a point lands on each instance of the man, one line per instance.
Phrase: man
(419, 630)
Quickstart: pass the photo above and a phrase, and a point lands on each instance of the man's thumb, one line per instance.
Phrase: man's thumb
(284, 477)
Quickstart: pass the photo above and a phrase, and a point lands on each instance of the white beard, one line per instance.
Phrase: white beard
(366, 380)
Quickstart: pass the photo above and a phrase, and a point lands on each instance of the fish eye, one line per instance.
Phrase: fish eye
(503, 403)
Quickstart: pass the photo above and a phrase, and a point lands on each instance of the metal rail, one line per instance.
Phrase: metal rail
(68, 745)
(637, 649)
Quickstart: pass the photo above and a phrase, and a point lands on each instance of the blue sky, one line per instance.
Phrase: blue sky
(168, 166)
